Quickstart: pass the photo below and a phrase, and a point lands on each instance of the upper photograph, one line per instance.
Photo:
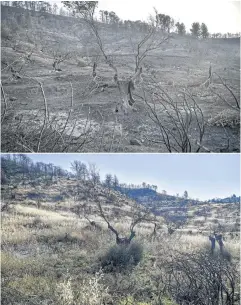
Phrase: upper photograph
(120, 76)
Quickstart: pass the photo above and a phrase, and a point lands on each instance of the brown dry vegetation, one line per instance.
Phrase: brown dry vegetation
(81, 112)
(52, 256)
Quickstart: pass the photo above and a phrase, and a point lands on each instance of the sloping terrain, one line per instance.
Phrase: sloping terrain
(51, 254)
(83, 111)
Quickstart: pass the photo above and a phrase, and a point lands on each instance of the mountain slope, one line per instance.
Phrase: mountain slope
(31, 43)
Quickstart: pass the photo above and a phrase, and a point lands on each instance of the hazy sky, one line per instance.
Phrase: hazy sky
(204, 176)
(219, 15)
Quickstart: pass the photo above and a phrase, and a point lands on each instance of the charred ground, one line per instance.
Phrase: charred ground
(81, 112)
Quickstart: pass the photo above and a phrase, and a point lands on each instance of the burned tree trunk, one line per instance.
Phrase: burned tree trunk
(119, 240)
(126, 240)
(131, 101)
(212, 240)
(55, 65)
(94, 70)
(219, 239)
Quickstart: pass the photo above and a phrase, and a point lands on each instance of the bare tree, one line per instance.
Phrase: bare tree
(58, 58)
(86, 10)
(150, 42)
(139, 215)
(182, 114)
(199, 278)
(94, 175)
(235, 104)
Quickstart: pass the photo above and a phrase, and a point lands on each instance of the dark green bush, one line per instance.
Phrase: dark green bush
(119, 257)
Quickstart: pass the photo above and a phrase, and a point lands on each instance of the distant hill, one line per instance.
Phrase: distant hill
(155, 200)
(230, 199)
(18, 171)
(137, 193)
(148, 195)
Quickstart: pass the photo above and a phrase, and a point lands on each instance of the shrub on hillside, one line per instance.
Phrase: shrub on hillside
(209, 278)
(120, 257)
(92, 291)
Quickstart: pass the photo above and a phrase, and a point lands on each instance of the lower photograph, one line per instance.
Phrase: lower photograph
(120, 229)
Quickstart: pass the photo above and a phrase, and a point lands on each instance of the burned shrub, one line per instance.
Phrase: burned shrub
(120, 257)
(201, 278)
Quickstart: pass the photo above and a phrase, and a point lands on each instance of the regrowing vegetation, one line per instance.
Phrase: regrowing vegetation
(75, 79)
(73, 238)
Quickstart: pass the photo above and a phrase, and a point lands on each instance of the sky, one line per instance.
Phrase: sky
(219, 15)
(204, 176)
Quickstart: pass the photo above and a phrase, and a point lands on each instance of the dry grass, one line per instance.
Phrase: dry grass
(52, 257)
